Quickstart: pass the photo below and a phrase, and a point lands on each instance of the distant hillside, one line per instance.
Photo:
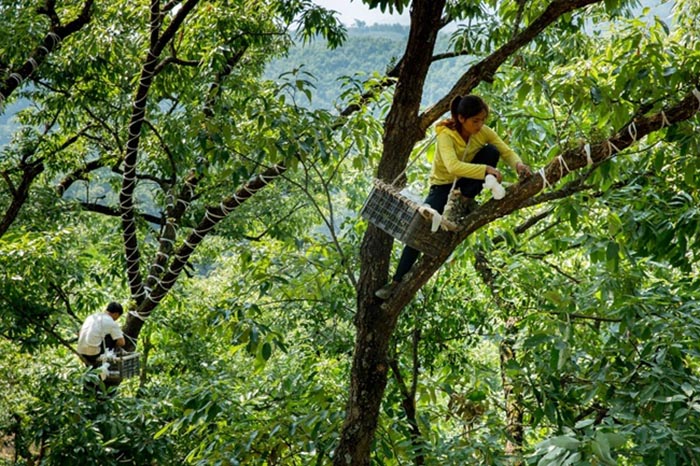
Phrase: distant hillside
(368, 49)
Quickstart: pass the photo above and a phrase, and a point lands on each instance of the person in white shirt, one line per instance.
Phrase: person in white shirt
(100, 332)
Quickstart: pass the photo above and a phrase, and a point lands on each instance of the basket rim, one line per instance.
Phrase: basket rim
(424, 210)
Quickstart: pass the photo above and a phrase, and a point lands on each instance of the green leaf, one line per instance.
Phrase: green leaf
(572, 460)
(564, 354)
(601, 448)
(536, 340)
(583, 423)
(612, 255)
(690, 173)
(614, 439)
(524, 91)
(564, 441)
(687, 388)
(266, 350)
(554, 297)
(555, 457)
(614, 224)
(162, 431)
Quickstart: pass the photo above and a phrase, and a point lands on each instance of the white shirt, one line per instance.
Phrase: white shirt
(94, 330)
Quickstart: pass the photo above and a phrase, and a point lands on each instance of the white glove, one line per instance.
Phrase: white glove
(498, 191)
(103, 370)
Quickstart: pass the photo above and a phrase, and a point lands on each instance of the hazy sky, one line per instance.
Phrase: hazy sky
(352, 10)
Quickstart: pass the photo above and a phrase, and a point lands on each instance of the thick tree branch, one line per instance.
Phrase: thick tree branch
(168, 234)
(20, 195)
(126, 200)
(80, 174)
(180, 257)
(485, 69)
(30, 171)
(51, 41)
(162, 277)
(159, 43)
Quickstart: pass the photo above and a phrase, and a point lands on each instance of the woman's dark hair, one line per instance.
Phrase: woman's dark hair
(115, 308)
(467, 106)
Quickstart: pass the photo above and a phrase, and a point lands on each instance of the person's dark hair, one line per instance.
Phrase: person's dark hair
(115, 308)
(466, 106)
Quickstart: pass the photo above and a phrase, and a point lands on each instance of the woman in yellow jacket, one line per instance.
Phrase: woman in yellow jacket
(467, 151)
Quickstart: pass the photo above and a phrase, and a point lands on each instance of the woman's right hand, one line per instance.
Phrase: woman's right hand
(495, 172)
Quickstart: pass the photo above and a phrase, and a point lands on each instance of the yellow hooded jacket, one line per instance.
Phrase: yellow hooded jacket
(453, 156)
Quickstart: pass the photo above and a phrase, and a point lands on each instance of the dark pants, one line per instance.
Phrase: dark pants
(94, 362)
(107, 343)
(437, 198)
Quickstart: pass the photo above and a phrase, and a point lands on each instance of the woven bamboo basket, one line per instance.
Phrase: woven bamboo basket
(124, 366)
(405, 219)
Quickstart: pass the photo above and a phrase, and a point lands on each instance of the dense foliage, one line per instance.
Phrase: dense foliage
(564, 333)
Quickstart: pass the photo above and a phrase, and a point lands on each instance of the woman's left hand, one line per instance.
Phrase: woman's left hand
(495, 172)
(523, 170)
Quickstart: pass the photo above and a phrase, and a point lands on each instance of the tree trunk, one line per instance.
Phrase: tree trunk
(376, 325)
(369, 377)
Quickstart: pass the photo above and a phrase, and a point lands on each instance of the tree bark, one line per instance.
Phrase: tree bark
(52, 40)
(126, 195)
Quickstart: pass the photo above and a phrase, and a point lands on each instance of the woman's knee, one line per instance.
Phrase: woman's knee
(487, 155)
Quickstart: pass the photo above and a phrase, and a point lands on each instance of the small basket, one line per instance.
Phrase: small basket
(402, 218)
(124, 366)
